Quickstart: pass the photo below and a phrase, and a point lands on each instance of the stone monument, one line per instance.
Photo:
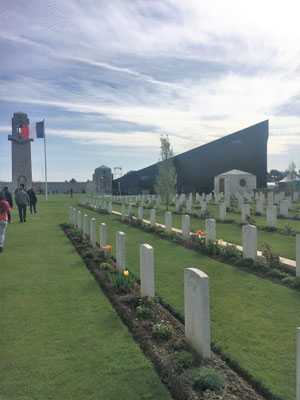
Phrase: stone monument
(20, 153)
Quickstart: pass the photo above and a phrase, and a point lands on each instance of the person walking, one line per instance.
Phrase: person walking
(9, 199)
(33, 200)
(22, 200)
(4, 211)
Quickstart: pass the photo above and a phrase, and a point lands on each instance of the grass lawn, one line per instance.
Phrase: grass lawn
(60, 336)
(285, 246)
(252, 319)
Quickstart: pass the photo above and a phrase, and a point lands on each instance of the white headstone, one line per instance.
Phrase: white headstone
(284, 208)
(271, 198)
(245, 213)
(249, 241)
(85, 225)
(298, 255)
(93, 232)
(210, 227)
(123, 210)
(260, 206)
(203, 207)
(120, 251)
(240, 203)
(196, 311)
(147, 270)
(129, 212)
(79, 220)
(102, 234)
(185, 226)
(74, 217)
(272, 216)
(140, 212)
(189, 207)
(295, 196)
(71, 214)
(110, 207)
(168, 220)
(222, 211)
(152, 217)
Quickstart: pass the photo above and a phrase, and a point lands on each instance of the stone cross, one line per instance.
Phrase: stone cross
(272, 216)
(168, 220)
(120, 251)
(79, 219)
(185, 226)
(147, 270)
(152, 217)
(196, 311)
(210, 227)
(222, 211)
(93, 232)
(140, 212)
(102, 234)
(245, 212)
(249, 241)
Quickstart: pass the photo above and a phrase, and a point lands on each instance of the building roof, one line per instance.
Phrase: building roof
(235, 172)
(103, 167)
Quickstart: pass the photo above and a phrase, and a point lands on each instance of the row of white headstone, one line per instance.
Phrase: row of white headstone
(196, 283)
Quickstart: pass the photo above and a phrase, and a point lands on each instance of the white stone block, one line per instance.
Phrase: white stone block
(210, 227)
(74, 217)
(185, 226)
(260, 206)
(129, 212)
(168, 220)
(197, 311)
(298, 255)
(271, 216)
(189, 207)
(123, 210)
(240, 203)
(152, 217)
(203, 207)
(147, 270)
(249, 241)
(222, 211)
(79, 220)
(271, 198)
(102, 234)
(93, 232)
(140, 212)
(71, 215)
(284, 208)
(120, 251)
(295, 196)
(85, 225)
(110, 207)
(245, 213)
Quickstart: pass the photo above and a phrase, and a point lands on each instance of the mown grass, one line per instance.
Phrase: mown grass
(285, 246)
(253, 320)
(60, 336)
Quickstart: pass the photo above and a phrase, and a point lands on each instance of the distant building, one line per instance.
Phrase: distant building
(245, 150)
(234, 181)
(102, 179)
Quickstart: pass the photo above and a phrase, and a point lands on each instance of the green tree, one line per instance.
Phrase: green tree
(291, 174)
(275, 176)
(166, 179)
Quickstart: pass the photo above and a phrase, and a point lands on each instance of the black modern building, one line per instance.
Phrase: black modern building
(245, 150)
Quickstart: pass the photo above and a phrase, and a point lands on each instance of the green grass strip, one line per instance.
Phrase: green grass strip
(60, 336)
(253, 320)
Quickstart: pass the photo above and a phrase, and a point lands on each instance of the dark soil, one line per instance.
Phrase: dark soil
(161, 352)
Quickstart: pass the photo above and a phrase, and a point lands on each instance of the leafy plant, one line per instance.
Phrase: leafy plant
(89, 255)
(276, 273)
(148, 301)
(105, 265)
(183, 360)
(273, 259)
(122, 283)
(287, 228)
(244, 262)
(230, 252)
(144, 312)
(162, 331)
(205, 379)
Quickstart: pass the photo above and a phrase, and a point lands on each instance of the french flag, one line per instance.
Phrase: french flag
(33, 131)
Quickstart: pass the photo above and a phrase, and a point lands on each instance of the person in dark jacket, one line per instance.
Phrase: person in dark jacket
(32, 199)
(9, 199)
(22, 199)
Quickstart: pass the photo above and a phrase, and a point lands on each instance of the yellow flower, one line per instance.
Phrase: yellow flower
(215, 243)
(220, 240)
(126, 272)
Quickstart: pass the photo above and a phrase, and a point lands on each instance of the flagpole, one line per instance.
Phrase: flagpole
(46, 185)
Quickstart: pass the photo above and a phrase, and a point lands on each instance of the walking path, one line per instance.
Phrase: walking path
(290, 264)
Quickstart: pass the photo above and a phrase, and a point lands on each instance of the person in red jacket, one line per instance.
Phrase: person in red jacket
(4, 211)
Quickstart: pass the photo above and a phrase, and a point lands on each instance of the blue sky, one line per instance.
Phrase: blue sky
(110, 77)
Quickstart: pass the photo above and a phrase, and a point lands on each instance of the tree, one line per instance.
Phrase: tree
(275, 176)
(166, 179)
(73, 180)
(291, 174)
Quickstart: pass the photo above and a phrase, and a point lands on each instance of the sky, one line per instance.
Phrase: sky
(110, 77)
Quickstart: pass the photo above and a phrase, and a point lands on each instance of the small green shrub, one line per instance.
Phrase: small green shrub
(205, 379)
(244, 262)
(179, 345)
(287, 228)
(89, 255)
(296, 284)
(276, 273)
(183, 360)
(105, 265)
(230, 252)
(122, 283)
(148, 301)
(144, 312)
(213, 248)
(162, 331)
(273, 259)
(289, 280)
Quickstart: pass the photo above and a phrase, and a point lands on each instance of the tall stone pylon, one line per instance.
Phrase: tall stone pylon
(20, 153)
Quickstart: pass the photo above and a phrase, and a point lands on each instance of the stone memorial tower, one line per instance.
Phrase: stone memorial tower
(20, 153)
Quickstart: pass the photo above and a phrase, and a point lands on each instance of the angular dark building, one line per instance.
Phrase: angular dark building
(245, 150)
